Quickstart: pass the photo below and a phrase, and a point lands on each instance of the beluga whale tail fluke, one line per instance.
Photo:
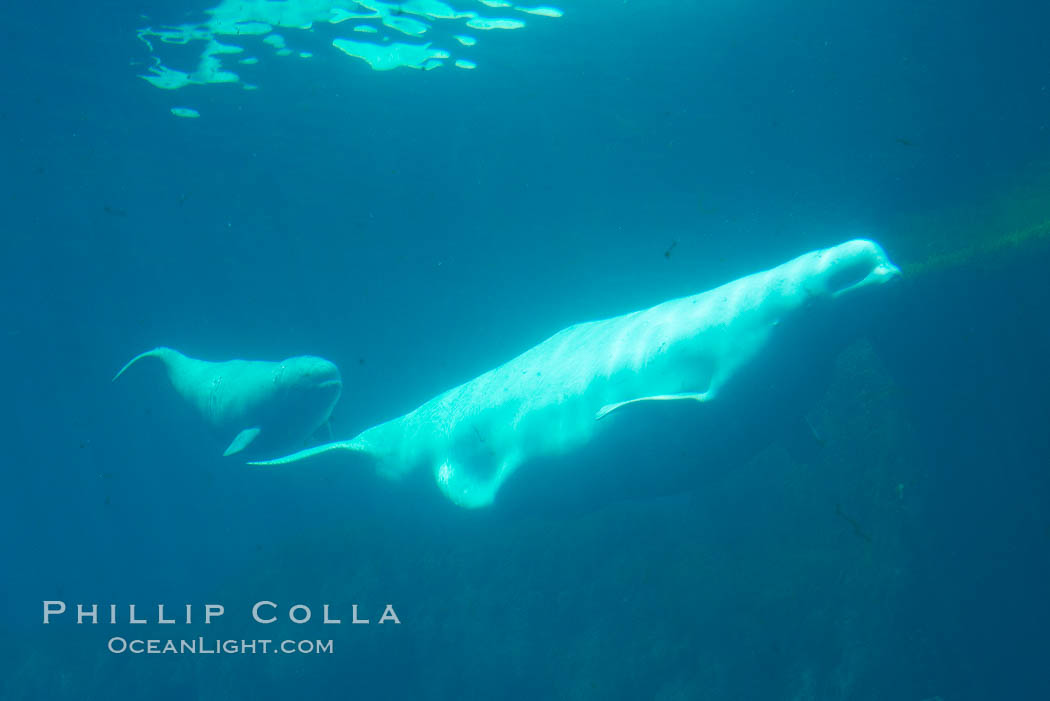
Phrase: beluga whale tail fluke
(550, 401)
(164, 354)
(259, 407)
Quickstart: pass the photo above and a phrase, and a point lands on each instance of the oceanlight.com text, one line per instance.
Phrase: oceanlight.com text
(203, 646)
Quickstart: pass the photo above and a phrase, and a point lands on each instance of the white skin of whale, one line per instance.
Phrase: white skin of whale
(260, 404)
(552, 398)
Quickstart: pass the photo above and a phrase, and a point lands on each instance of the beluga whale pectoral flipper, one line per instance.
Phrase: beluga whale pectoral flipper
(260, 407)
(733, 345)
(609, 408)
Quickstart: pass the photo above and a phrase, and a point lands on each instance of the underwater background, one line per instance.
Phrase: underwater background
(420, 227)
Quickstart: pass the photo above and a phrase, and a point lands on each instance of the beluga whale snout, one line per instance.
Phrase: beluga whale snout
(258, 406)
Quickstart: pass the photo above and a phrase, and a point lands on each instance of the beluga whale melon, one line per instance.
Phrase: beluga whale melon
(730, 346)
(258, 406)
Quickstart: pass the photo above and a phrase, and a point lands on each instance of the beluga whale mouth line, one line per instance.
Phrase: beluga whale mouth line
(554, 398)
(328, 384)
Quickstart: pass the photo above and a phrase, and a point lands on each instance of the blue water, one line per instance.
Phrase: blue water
(419, 228)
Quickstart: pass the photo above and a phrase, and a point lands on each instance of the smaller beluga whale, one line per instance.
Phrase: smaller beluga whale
(743, 345)
(260, 407)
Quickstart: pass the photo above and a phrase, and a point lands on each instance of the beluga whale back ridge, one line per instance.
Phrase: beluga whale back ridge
(555, 397)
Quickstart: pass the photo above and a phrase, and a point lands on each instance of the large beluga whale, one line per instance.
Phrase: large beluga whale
(261, 407)
(734, 344)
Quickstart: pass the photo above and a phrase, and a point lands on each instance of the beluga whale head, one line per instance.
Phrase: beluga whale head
(310, 387)
(848, 267)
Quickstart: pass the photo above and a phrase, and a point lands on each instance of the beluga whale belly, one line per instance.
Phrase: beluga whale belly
(553, 399)
(261, 407)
